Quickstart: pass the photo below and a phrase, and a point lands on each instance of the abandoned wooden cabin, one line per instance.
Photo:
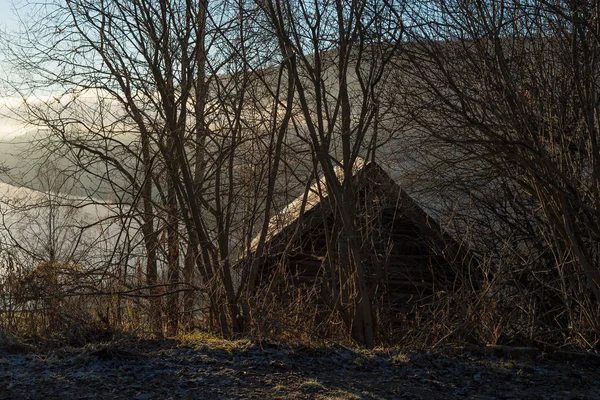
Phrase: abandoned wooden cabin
(406, 256)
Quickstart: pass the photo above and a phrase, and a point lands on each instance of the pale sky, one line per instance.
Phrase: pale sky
(8, 18)
(8, 21)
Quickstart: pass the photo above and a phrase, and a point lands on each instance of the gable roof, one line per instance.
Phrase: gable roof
(365, 174)
(302, 204)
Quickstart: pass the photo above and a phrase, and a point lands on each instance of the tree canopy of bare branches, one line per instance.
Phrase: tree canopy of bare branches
(202, 119)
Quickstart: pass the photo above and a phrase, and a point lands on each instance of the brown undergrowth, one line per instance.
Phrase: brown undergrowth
(504, 308)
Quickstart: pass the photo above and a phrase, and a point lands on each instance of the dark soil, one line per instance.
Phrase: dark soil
(211, 369)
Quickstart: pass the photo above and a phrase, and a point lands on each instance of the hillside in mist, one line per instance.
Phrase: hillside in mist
(38, 226)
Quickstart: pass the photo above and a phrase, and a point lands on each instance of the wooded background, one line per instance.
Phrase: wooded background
(195, 122)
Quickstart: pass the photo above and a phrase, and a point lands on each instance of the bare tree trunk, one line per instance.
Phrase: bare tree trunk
(150, 238)
(189, 295)
(362, 324)
(173, 263)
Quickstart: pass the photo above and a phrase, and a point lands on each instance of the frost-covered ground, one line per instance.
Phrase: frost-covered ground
(137, 369)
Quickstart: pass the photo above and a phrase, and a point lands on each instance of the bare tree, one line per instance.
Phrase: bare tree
(508, 90)
(335, 55)
(159, 102)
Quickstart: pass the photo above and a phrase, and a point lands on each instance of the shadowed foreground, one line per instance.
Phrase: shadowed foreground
(137, 369)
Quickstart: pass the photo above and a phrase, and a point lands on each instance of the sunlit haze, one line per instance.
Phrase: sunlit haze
(8, 22)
